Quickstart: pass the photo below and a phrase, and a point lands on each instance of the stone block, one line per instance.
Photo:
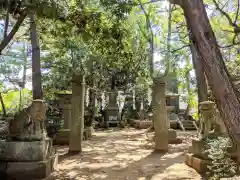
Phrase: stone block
(18, 151)
(144, 124)
(200, 165)
(172, 137)
(62, 137)
(198, 149)
(172, 134)
(28, 170)
(161, 141)
(189, 159)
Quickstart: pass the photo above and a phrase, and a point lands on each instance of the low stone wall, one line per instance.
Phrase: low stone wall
(141, 124)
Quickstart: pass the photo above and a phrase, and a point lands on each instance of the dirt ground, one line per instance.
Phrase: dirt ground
(125, 155)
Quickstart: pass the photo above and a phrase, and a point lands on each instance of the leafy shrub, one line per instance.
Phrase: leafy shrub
(222, 164)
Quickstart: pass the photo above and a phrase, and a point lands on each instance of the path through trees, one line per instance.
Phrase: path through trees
(125, 155)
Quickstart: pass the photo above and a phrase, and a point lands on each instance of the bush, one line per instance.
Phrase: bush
(222, 164)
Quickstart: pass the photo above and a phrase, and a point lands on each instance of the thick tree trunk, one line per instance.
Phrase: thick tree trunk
(3, 105)
(36, 66)
(200, 76)
(211, 58)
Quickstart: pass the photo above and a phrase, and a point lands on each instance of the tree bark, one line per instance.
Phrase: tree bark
(200, 76)
(3, 105)
(36, 65)
(211, 58)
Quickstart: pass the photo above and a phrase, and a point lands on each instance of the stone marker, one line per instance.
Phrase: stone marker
(62, 137)
(160, 114)
(112, 109)
(77, 114)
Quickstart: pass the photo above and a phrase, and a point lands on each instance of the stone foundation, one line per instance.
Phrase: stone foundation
(25, 151)
(28, 170)
(198, 149)
(172, 137)
(27, 160)
(62, 137)
(196, 163)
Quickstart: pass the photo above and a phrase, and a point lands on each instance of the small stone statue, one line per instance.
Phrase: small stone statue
(28, 124)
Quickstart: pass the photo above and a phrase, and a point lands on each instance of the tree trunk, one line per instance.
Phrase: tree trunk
(3, 105)
(36, 66)
(200, 76)
(211, 58)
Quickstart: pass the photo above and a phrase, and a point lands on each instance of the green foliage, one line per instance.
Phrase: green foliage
(222, 164)
(12, 102)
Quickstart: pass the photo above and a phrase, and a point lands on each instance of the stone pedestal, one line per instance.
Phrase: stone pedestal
(172, 137)
(62, 138)
(112, 115)
(200, 165)
(26, 160)
(196, 157)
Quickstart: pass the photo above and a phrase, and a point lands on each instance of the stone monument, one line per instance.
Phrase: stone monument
(27, 152)
(112, 115)
(160, 121)
(77, 114)
(62, 137)
(211, 127)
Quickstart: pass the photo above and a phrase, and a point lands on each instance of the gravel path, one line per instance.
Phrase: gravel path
(126, 155)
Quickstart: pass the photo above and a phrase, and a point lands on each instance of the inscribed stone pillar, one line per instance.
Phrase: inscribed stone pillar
(77, 119)
(160, 119)
(67, 111)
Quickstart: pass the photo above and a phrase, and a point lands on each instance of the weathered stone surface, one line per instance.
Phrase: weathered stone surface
(142, 124)
(160, 119)
(77, 114)
(112, 114)
(67, 116)
(62, 138)
(189, 159)
(200, 165)
(25, 151)
(28, 124)
(196, 163)
(198, 149)
(28, 170)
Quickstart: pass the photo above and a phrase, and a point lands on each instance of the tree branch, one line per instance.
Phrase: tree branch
(175, 50)
(151, 39)
(224, 14)
(15, 28)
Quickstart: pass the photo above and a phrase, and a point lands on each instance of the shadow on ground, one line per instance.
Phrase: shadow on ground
(124, 155)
